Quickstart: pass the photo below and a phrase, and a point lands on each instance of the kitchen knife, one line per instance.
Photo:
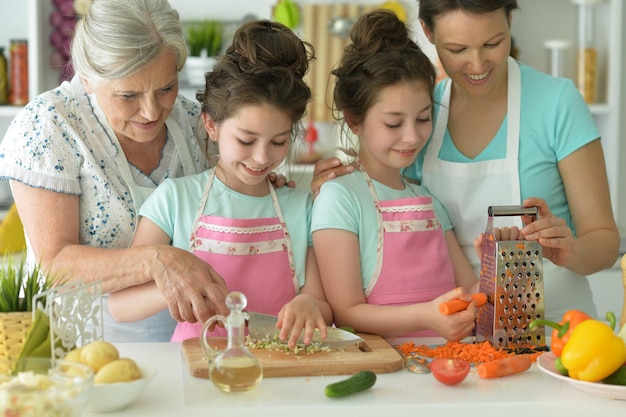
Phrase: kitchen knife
(261, 326)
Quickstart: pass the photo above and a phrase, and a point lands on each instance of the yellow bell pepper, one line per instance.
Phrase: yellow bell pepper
(593, 351)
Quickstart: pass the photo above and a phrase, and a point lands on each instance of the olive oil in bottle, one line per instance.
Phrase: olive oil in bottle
(235, 374)
(235, 369)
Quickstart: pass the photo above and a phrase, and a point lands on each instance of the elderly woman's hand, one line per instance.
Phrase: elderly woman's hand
(193, 290)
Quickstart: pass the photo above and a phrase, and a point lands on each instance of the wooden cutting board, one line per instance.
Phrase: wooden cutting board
(373, 354)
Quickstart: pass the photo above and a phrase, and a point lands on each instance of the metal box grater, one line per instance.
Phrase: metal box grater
(511, 274)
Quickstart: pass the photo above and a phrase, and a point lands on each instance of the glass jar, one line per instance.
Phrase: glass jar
(557, 48)
(19, 72)
(587, 51)
(4, 78)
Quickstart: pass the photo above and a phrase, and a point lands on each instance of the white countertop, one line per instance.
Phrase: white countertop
(174, 392)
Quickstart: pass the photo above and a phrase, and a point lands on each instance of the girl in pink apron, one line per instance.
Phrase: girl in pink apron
(386, 253)
(257, 238)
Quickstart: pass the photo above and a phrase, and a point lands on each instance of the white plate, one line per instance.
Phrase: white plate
(545, 362)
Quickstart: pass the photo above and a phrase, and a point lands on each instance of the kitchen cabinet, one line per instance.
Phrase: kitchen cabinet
(11, 28)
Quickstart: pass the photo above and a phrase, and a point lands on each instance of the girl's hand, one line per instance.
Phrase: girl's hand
(552, 233)
(301, 313)
(327, 169)
(500, 233)
(456, 326)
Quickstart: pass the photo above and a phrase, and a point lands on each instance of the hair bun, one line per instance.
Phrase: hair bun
(379, 31)
(263, 46)
(265, 64)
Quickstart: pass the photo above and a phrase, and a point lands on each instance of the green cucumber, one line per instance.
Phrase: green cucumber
(348, 329)
(617, 378)
(356, 383)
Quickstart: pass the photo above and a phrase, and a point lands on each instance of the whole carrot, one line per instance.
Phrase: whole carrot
(503, 367)
(453, 306)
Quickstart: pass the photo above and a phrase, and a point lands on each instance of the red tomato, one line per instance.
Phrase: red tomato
(450, 371)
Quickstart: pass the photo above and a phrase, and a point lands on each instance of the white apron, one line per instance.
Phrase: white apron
(467, 190)
(159, 327)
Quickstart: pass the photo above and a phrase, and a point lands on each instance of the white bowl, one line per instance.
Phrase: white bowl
(106, 398)
(44, 387)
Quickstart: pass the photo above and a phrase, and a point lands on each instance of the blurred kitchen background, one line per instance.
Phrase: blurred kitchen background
(547, 35)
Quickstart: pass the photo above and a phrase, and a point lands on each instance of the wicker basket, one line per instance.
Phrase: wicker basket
(13, 331)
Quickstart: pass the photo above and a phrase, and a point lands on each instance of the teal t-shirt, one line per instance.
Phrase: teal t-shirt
(346, 203)
(174, 204)
(555, 121)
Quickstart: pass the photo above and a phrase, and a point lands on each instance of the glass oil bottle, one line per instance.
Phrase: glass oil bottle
(235, 369)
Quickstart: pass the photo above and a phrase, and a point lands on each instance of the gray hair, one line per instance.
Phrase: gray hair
(117, 38)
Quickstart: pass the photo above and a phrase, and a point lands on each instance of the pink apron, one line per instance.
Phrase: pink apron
(253, 256)
(412, 262)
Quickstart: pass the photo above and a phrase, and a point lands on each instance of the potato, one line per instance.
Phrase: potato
(98, 353)
(76, 370)
(120, 370)
(73, 355)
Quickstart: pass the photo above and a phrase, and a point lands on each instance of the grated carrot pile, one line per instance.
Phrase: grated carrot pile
(473, 352)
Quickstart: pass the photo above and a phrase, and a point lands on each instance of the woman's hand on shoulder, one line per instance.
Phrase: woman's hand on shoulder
(327, 169)
(279, 180)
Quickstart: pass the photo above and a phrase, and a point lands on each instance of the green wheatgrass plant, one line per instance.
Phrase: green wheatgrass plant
(19, 286)
(206, 34)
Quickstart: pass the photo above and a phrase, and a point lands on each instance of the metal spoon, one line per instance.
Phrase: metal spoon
(416, 365)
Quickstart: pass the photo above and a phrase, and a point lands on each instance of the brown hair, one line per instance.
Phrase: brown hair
(381, 54)
(429, 10)
(265, 64)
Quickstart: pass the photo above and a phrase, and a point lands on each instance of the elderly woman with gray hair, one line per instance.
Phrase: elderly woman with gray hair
(83, 157)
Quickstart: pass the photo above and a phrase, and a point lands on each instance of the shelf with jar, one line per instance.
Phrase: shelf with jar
(584, 46)
(14, 74)
(584, 23)
(36, 16)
